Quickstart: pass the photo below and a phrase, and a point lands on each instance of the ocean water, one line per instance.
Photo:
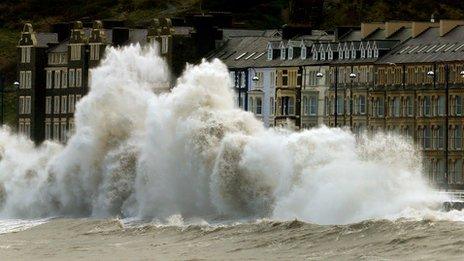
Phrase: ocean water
(192, 155)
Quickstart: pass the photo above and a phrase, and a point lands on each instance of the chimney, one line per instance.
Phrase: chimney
(291, 31)
(63, 30)
(420, 27)
(447, 25)
(120, 36)
(368, 28)
(393, 27)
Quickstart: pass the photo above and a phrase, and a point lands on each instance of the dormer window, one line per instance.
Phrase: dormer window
(330, 55)
(290, 53)
(362, 51)
(353, 53)
(269, 53)
(346, 51)
(303, 52)
(376, 50)
(283, 53)
(323, 56)
(369, 53)
(314, 53)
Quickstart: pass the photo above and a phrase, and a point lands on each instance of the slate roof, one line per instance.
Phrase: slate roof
(429, 47)
(43, 39)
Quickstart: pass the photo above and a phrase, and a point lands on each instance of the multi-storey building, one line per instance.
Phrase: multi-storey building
(32, 49)
(54, 68)
(388, 77)
(423, 84)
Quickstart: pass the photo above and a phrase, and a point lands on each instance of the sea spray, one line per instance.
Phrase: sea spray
(191, 152)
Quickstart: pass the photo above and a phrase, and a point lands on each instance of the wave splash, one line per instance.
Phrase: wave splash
(192, 153)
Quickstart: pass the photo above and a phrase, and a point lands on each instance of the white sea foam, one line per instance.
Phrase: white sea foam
(191, 154)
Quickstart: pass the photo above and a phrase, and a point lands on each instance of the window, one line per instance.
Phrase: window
(291, 108)
(426, 136)
(458, 106)
(396, 107)
(330, 55)
(71, 104)
(441, 105)
(376, 53)
(303, 52)
(64, 104)
(380, 107)
(27, 105)
(56, 129)
(271, 107)
(48, 105)
(56, 105)
(78, 97)
(71, 77)
(458, 137)
(26, 54)
(409, 106)
(283, 53)
(269, 53)
(290, 53)
(21, 105)
(94, 52)
(251, 105)
(305, 105)
(313, 106)
(285, 78)
(48, 129)
(427, 106)
(57, 79)
(340, 105)
(458, 171)
(25, 79)
(362, 104)
(28, 79)
(22, 80)
(72, 126)
(164, 44)
(78, 77)
(64, 79)
(75, 52)
(63, 130)
(27, 127)
(441, 137)
(49, 80)
(259, 104)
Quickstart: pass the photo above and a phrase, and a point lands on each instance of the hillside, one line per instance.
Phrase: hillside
(249, 13)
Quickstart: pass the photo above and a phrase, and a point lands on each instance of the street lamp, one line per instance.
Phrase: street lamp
(431, 74)
(255, 78)
(320, 75)
(352, 77)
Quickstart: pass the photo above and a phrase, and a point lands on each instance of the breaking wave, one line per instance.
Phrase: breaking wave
(192, 153)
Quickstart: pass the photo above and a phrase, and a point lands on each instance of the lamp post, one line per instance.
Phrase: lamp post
(320, 75)
(432, 74)
(352, 77)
